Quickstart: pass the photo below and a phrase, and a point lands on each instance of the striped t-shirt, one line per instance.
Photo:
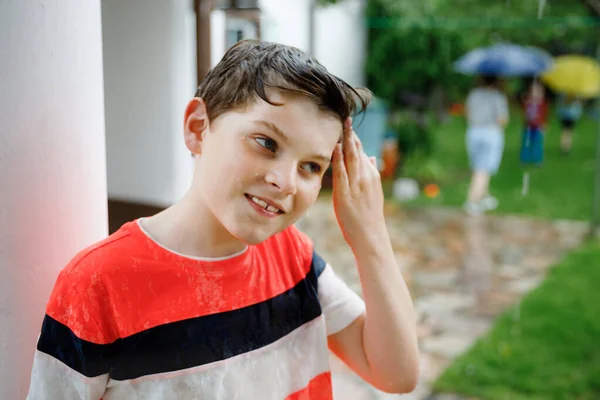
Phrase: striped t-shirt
(130, 319)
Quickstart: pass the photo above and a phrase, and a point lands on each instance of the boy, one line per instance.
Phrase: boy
(220, 296)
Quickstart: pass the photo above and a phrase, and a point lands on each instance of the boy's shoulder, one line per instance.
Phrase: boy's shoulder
(89, 274)
(101, 256)
(80, 299)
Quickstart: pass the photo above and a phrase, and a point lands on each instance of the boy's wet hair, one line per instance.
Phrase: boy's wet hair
(250, 67)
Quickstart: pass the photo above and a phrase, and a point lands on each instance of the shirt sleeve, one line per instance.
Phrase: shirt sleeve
(502, 107)
(341, 305)
(73, 355)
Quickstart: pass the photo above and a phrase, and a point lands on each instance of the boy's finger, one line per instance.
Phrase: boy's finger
(340, 177)
(361, 152)
(357, 141)
(348, 123)
(366, 165)
(347, 127)
(351, 155)
(373, 160)
(375, 166)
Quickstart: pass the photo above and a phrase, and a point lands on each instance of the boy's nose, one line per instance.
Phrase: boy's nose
(284, 179)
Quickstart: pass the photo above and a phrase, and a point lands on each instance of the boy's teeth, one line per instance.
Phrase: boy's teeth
(272, 209)
(264, 205)
(260, 202)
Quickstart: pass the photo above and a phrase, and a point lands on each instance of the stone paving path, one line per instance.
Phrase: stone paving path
(462, 273)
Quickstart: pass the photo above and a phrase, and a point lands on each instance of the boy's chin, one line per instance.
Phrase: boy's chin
(254, 236)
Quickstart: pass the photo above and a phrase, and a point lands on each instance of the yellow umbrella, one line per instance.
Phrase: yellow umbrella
(574, 74)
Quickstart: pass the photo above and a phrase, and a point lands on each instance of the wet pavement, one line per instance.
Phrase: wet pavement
(462, 272)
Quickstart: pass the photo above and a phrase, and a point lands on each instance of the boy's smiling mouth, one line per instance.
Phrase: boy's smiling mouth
(265, 206)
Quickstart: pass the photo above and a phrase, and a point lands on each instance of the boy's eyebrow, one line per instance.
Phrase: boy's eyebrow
(271, 126)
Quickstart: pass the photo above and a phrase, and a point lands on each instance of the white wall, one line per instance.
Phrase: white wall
(282, 21)
(340, 33)
(150, 75)
(218, 41)
(340, 40)
(286, 21)
(52, 163)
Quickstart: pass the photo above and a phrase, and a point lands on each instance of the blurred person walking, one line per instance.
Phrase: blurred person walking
(535, 110)
(577, 78)
(569, 109)
(487, 115)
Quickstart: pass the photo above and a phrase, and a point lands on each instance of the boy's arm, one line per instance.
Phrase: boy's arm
(381, 345)
(65, 367)
(72, 359)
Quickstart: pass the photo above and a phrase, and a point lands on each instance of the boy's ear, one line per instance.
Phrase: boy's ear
(195, 125)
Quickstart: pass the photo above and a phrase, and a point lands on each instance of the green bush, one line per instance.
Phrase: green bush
(412, 134)
(422, 168)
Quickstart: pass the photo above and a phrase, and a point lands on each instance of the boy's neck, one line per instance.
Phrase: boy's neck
(189, 228)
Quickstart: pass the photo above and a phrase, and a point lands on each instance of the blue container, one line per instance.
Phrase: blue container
(371, 127)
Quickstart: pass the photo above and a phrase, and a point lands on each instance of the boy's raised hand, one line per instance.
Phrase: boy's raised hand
(357, 192)
(383, 346)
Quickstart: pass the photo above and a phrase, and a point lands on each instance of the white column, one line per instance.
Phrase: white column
(52, 163)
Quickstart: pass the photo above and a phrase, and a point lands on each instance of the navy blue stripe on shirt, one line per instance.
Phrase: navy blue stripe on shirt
(318, 264)
(192, 342)
(87, 358)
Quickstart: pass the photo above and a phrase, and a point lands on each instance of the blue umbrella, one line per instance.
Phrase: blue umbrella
(504, 60)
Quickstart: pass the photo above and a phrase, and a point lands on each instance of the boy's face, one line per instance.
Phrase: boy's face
(260, 168)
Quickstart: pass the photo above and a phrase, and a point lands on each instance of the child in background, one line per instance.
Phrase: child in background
(487, 116)
(532, 144)
(536, 111)
(569, 111)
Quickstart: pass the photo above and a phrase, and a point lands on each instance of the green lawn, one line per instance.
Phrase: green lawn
(561, 188)
(551, 352)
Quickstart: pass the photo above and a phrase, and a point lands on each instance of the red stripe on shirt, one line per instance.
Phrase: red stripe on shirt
(319, 388)
(128, 283)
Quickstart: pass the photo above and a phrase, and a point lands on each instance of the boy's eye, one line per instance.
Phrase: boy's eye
(312, 168)
(267, 143)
